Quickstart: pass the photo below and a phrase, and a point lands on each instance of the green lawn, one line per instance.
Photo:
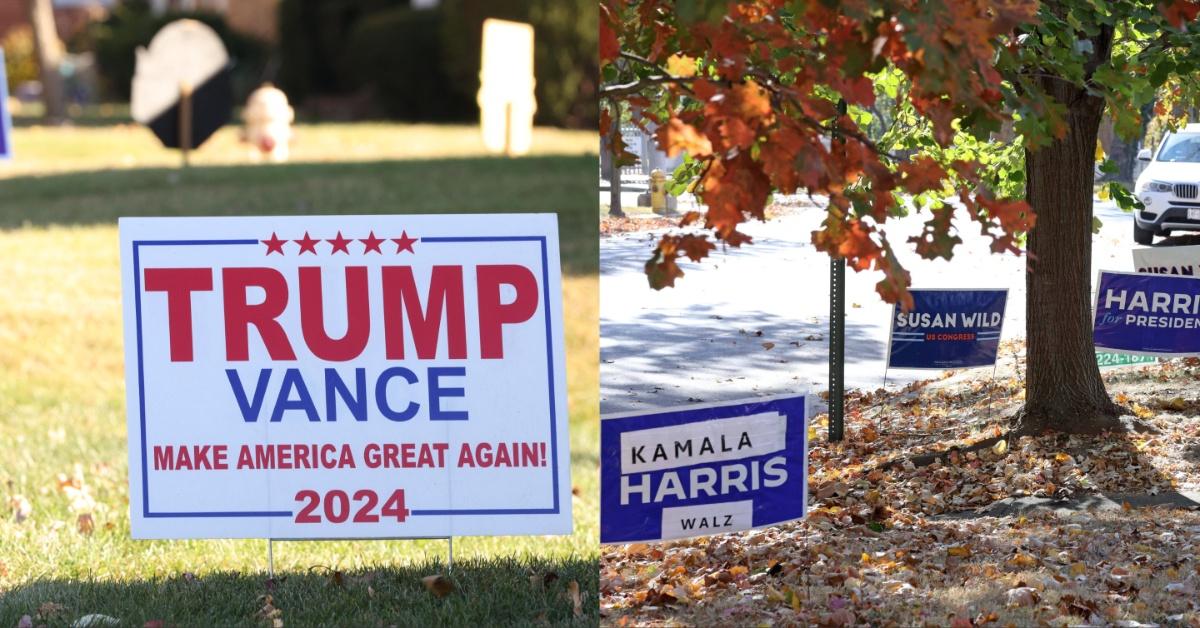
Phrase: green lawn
(41, 149)
(62, 410)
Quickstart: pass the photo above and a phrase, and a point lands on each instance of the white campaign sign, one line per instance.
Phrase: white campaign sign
(1168, 260)
(345, 376)
(703, 443)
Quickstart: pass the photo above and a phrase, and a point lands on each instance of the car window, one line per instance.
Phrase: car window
(1181, 147)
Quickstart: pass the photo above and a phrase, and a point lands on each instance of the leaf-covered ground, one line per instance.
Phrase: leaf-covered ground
(1051, 530)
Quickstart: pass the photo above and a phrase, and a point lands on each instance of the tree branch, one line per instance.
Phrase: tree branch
(624, 89)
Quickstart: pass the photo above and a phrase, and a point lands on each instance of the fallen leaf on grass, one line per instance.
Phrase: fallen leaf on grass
(438, 585)
(1021, 596)
(95, 620)
(85, 524)
(1178, 404)
(48, 610)
(1023, 560)
(962, 551)
(268, 611)
(576, 598)
(21, 508)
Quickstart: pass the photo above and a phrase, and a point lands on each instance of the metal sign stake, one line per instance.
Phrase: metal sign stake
(450, 564)
(837, 348)
(185, 120)
(271, 559)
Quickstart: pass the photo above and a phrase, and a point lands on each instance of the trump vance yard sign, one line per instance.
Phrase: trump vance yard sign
(345, 376)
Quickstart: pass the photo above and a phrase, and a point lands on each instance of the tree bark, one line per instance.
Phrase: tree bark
(614, 173)
(1064, 391)
(49, 50)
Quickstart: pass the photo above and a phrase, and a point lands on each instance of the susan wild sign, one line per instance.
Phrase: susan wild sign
(1147, 314)
(947, 329)
(345, 376)
(703, 469)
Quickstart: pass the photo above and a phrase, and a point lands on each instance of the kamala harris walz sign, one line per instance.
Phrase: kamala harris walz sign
(345, 376)
(1143, 313)
(704, 469)
(947, 329)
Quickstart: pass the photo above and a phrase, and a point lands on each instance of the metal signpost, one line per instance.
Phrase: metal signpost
(837, 331)
(837, 347)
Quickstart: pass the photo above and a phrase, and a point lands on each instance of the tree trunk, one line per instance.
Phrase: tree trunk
(614, 172)
(1064, 391)
(49, 54)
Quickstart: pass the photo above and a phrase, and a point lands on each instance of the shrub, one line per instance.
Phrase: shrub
(396, 53)
(566, 66)
(20, 60)
(313, 38)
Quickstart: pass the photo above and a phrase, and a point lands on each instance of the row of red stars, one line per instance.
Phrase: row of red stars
(341, 244)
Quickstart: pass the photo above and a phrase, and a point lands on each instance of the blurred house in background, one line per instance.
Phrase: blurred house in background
(411, 60)
(70, 16)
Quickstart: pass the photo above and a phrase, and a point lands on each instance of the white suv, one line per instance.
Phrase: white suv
(1169, 187)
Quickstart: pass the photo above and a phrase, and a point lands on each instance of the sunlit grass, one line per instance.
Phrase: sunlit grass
(45, 149)
(62, 406)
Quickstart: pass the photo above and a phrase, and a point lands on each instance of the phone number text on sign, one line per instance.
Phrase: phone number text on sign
(345, 377)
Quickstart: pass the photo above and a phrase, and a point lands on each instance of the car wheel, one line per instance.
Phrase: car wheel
(1142, 236)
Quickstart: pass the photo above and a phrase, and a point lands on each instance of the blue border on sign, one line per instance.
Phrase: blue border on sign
(137, 290)
(6, 147)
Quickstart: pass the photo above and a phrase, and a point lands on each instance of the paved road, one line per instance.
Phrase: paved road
(703, 340)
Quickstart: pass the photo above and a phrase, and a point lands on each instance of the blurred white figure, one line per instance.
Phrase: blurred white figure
(268, 123)
(506, 82)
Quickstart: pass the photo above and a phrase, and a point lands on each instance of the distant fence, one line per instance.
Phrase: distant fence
(649, 157)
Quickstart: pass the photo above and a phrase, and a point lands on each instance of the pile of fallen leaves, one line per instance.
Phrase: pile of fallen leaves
(901, 528)
(612, 226)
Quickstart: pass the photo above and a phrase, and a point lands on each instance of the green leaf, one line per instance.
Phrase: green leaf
(1161, 72)
(1123, 198)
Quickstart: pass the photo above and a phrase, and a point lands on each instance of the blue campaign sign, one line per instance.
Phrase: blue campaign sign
(5, 118)
(704, 469)
(1145, 313)
(947, 329)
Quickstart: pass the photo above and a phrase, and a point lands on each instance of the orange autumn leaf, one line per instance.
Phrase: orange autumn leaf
(610, 46)
(676, 136)
(921, 174)
(1179, 12)
(749, 101)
